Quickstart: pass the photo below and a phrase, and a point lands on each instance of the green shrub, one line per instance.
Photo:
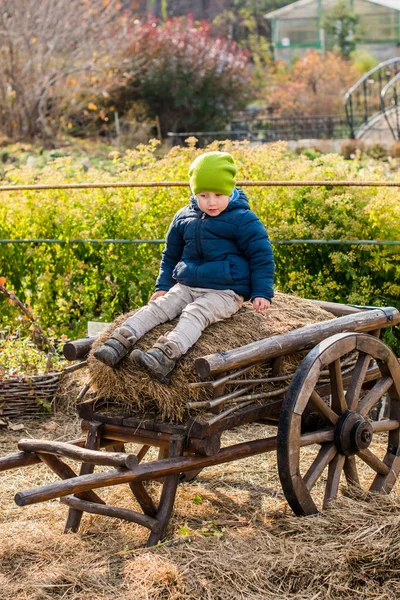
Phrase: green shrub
(377, 151)
(310, 153)
(70, 284)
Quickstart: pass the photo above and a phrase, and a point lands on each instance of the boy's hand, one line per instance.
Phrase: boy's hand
(260, 304)
(158, 294)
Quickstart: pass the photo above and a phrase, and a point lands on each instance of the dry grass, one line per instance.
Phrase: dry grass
(231, 537)
(129, 386)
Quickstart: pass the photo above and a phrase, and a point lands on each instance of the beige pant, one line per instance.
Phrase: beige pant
(198, 308)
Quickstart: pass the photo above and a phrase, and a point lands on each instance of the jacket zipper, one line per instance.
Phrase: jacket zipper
(198, 243)
(198, 236)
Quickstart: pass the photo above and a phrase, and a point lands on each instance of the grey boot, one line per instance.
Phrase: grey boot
(116, 347)
(160, 360)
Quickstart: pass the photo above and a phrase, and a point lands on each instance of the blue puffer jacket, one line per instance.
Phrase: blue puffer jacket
(229, 251)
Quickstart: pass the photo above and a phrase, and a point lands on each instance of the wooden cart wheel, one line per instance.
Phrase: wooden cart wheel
(344, 430)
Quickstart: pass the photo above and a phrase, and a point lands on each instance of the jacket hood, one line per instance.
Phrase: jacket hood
(238, 200)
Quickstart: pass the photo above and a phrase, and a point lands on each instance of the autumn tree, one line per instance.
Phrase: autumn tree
(49, 47)
(313, 86)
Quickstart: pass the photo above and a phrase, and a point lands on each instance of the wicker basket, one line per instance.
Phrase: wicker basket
(24, 397)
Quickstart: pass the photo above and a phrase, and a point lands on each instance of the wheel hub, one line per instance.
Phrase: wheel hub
(352, 433)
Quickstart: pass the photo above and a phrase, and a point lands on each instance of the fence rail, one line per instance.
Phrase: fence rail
(154, 184)
(135, 241)
(146, 184)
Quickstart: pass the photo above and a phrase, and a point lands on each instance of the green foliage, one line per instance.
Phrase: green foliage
(310, 153)
(19, 356)
(363, 61)
(68, 285)
(377, 151)
(341, 23)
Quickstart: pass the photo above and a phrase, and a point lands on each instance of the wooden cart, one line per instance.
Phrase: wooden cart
(328, 405)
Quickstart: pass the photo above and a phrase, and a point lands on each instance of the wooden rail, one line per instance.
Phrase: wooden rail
(294, 341)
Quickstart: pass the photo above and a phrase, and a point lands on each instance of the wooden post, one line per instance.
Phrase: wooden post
(168, 492)
(92, 443)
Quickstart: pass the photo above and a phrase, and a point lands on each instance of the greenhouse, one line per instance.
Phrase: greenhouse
(298, 27)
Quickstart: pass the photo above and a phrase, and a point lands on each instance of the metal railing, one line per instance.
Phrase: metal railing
(363, 99)
(390, 105)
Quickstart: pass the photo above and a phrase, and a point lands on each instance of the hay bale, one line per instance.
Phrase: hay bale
(129, 387)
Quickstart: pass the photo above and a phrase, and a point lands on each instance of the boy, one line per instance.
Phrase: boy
(217, 255)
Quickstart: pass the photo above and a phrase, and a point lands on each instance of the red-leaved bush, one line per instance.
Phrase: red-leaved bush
(187, 79)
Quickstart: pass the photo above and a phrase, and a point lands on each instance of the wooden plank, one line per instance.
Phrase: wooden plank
(199, 428)
(153, 425)
(126, 434)
(142, 452)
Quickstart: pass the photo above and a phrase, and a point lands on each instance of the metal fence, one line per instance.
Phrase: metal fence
(185, 184)
(271, 129)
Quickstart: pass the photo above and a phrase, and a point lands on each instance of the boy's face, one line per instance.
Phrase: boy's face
(211, 203)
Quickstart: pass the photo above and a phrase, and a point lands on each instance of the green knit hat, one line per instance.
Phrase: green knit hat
(213, 172)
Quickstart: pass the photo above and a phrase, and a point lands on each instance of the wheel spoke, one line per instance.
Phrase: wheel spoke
(323, 408)
(384, 483)
(338, 400)
(324, 457)
(373, 461)
(360, 370)
(334, 473)
(317, 437)
(369, 401)
(385, 425)
(350, 471)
